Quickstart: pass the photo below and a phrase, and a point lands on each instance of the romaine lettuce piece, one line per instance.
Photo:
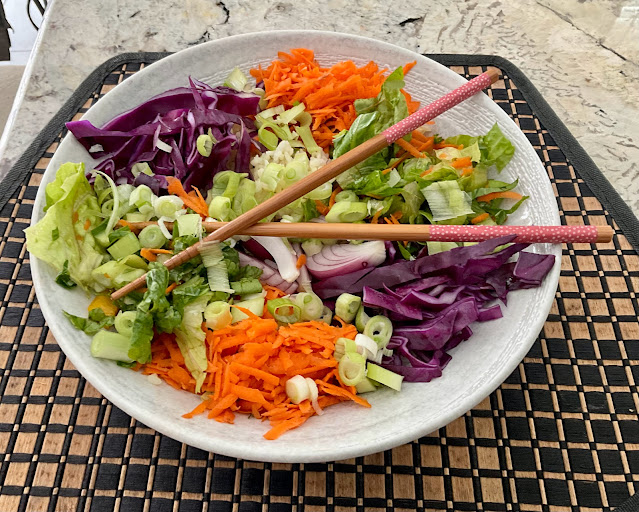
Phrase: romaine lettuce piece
(63, 235)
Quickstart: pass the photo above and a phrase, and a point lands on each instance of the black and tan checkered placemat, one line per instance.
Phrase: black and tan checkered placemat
(561, 433)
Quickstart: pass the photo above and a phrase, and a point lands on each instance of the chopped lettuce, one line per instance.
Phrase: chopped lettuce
(497, 150)
(447, 201)
(97, 320)
(190, 338)
(374, 116)
(63, 235)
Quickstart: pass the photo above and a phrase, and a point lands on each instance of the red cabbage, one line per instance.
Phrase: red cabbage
(373, 298)
(176, 117)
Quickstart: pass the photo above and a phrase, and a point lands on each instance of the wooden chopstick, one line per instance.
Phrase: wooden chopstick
(415, 232)
(331, 170)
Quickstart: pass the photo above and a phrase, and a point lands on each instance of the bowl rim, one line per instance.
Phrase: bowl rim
(275, 451)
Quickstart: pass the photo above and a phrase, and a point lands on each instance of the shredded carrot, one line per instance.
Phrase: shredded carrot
(375, 218)
(248, 365)
(480, 218)
(74, 217)
(408, 66)
(509, 194)
(322, 209)
(301, 261)
(427, 171)
(467, 171)
(147, 254)
(327, 92)
(331, 201)
(460, 163)
(170, 288)
(193, 199)
(126, 224)
(419, 136)
(87, 225)
(151, 254)
(409, 148)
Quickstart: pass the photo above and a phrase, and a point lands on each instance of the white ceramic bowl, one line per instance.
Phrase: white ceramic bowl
(478, 366)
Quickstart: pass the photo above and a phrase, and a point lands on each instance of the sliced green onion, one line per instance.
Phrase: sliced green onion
(310, 304)
(343, 345)
(365, 386)
(289, 115)
(124, 322)
(228, 181)
(320, 193)
(294, 172)
(384, 376)
(268, 138)
(346, 306)
(152, 237)
(347, 211)
(124, 191)
(346, 195)
(134, 261)
(367, 347)
(304, 119)
(284, 310)
(141, 168)
(141, 195)
(204, 145)
(352, 368)
(220, 208)
(307, 137)
(255, 306)
(111, 345)
(218, 315)
(327, 315)
(136, 217)
(189, 224)
(380, 329)
(236, 80)
(168, 206)
(269, 113)
(124, 246)
(361, 319)
(297, 389)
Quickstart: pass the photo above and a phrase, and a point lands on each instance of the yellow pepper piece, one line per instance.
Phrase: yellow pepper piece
(105, 304)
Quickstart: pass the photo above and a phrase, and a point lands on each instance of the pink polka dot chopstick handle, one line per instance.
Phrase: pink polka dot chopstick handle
(529, 234)
(437, 107)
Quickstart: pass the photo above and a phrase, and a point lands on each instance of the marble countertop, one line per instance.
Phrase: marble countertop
(583, 55)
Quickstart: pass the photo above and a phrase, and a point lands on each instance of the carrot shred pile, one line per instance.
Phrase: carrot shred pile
(328, 93)
(193, 199)
(249, 363)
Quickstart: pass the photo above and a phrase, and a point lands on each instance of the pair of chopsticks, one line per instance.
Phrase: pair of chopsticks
(247, 222)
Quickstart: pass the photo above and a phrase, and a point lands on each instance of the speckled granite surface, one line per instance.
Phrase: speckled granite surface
(583, 55)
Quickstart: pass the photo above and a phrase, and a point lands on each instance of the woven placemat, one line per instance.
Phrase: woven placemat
(560, 434)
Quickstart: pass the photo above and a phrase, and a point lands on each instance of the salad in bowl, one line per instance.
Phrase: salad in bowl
(272, 328)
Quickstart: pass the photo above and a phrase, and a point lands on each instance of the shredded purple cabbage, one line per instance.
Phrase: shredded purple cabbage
(433, 300)
(176, 117)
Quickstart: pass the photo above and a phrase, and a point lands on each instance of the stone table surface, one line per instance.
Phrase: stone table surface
(583, 55)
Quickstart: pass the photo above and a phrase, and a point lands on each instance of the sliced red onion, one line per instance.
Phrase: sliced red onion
(283, 255)
(340, 259)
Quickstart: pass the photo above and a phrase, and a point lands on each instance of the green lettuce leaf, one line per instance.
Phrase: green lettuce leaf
(374, 184)
(374, 116)
(191, 339)
(141, 337)
(496, 149)
(495, 186)
(413, 199)
(97, 320)
(64, 279)
(60, 236)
